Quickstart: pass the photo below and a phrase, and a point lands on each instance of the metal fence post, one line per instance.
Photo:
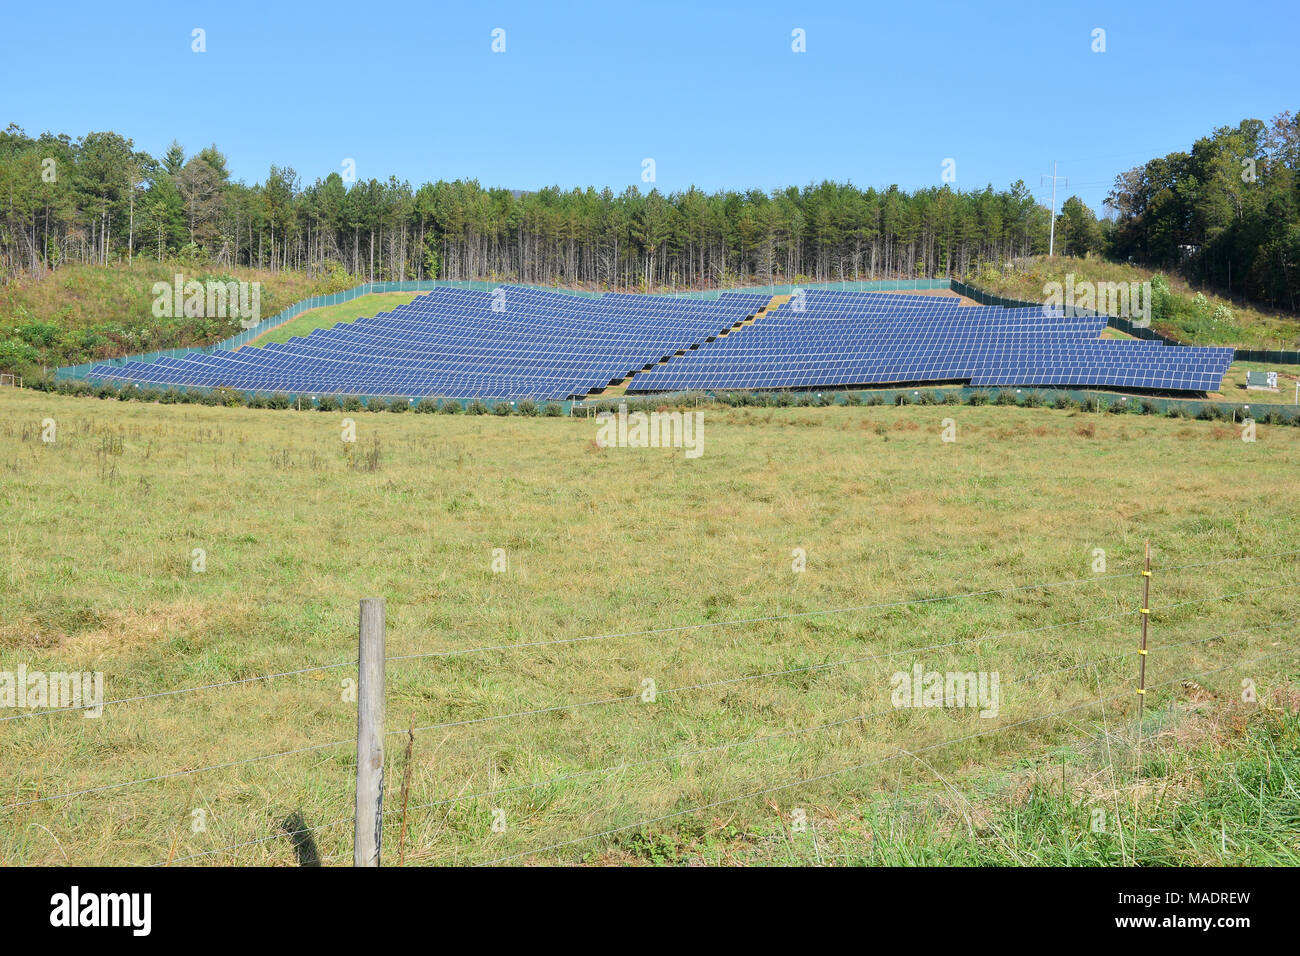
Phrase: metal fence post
(370, 734)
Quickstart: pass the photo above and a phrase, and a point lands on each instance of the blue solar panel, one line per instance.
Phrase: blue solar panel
(516, 342)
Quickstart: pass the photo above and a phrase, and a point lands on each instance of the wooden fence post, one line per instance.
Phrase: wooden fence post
(370, 734)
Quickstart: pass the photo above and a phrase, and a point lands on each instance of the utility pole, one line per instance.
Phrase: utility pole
(1051, 242)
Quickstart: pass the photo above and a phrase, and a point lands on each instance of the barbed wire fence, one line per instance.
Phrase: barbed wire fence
(370, 815)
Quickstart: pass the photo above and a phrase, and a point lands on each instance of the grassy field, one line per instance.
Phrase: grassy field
(327, 316)
(639, 545)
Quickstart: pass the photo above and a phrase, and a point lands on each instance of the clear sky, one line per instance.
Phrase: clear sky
(711, 91)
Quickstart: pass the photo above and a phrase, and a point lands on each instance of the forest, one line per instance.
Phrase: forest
(1226, 214)
(99, 200)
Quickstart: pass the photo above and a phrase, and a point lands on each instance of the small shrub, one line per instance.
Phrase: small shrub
(501, 408)
(353, 403)
(476, 407)
(852, 398)
(553, 410)
(528, 407)
(278, 400)
(400, 405)
(327, 403)
(426, 406)
(978, 398)
(450, 407)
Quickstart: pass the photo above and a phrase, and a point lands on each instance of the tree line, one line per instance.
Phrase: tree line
(100, 200)
(1225, 215)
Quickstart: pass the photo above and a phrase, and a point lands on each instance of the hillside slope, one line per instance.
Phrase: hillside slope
(81, 313)
(1180, 311)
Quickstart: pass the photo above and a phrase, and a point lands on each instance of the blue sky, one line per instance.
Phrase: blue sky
(712, 92)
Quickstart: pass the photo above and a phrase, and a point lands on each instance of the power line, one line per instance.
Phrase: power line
(1051, 242)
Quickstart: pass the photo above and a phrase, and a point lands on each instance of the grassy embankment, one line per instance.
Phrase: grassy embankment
(329, 315)
(1208, 320)
(83, 313)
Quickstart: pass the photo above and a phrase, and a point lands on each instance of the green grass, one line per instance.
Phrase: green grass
(1234, 384)
(329, 315)
(1187, 319)
(83, 313)
(297, 526)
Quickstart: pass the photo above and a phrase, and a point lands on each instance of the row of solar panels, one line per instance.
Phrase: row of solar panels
(797, 347)
(517, 342)
(510, 343)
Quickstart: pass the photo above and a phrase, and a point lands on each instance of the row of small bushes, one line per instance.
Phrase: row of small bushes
(528, 408)
(1119, 405)
(324, 403)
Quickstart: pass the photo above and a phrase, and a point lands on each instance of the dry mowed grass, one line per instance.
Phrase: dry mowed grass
(636, 544)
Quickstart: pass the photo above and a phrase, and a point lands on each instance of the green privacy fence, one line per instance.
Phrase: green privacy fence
(1123, 325)
(873, 285)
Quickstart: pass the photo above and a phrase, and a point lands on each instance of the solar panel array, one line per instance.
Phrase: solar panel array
(511, 343)
(826, 339)
(516, 343)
